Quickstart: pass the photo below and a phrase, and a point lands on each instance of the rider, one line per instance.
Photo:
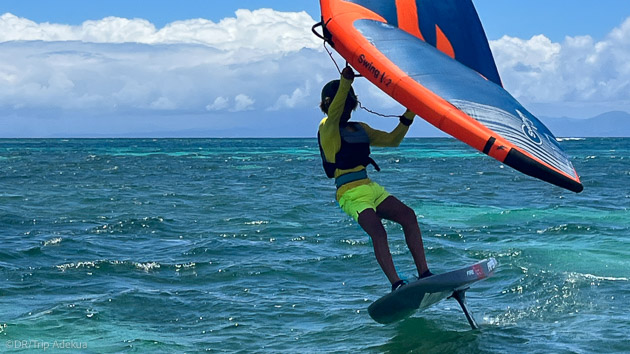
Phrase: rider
(345, 150)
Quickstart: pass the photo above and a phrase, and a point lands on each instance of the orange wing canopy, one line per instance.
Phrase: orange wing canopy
(433, 57)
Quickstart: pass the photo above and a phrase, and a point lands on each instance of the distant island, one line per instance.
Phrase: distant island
(300, 123)
(615, 124)
(610, 124)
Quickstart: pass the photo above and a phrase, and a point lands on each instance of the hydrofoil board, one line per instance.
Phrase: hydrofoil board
(425, 292)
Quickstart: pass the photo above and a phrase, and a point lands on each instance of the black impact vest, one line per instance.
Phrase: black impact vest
(354, 151)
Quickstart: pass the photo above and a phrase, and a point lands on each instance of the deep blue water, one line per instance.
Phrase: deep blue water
(238, 245)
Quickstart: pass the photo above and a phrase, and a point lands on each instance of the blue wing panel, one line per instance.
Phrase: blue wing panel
(457, 19)
(384, 8)
(460, 23)
(482, 100)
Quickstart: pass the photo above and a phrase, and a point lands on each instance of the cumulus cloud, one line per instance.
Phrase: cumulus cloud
(257, 63)
(239, 103)
(243, 103)
(120, 65)
(220, 103)
(115, 77)
(580, 69)
(299, 97)
(263, 30)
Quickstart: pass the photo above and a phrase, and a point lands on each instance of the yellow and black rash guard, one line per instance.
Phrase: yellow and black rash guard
(330, 137)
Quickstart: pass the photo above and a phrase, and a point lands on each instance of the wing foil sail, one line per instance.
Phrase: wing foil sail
(446, 77)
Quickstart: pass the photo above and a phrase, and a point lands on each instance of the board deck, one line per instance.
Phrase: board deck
(425, 292)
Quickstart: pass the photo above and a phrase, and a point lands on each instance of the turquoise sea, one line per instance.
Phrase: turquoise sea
(227, 245)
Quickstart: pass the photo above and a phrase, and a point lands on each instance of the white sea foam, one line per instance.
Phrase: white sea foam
(148, 266)
(570, 139)
(53, 241)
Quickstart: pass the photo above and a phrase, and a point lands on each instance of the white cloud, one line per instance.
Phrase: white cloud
(220, 103)
(578, 70)
(299, 97)
(120, 65)
(264, 30)
(242, 103)
(163, 103)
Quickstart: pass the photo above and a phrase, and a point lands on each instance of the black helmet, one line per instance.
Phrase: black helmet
(330, 90)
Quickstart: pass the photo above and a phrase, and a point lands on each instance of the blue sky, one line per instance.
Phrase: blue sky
(554, 18)
(253, 72)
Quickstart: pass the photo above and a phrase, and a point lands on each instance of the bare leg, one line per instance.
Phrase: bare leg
(394, 210)
(371, 223)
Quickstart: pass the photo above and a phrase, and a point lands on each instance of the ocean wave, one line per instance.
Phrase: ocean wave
(148, 266)
(596, 277)
(568, 229)
(130, 225)
(549, 296)
(52, 241)
(117, 266)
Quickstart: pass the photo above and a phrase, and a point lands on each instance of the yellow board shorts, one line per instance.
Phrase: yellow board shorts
(366, 196)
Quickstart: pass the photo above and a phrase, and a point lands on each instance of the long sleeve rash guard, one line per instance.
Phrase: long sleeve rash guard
(330, 137)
